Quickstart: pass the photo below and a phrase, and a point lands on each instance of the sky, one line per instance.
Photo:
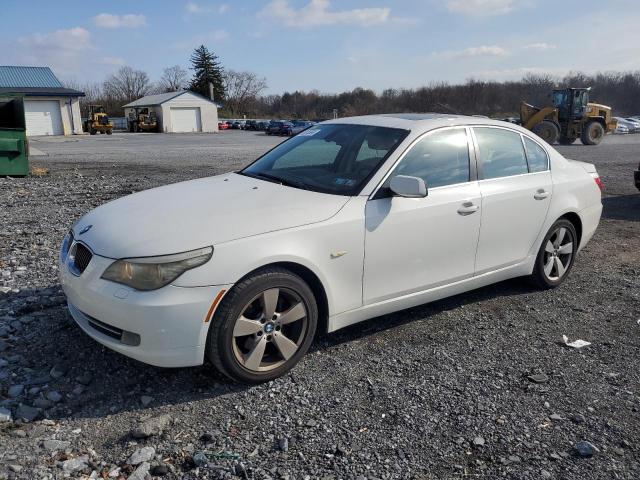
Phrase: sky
(327, 45)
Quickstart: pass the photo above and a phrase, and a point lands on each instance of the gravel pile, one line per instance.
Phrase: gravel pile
(480, 385)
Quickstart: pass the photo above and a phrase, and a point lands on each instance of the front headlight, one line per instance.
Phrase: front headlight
(66, 245)
(151, 273)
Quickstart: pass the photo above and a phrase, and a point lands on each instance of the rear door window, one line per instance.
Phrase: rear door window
(501, 152)
(537, 156)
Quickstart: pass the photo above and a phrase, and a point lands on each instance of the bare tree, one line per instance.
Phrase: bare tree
(92, 93)
(127, 85)
(173, 79)
(242, 90)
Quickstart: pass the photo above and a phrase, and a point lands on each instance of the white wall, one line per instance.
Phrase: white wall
(69, 112)
(208, 111)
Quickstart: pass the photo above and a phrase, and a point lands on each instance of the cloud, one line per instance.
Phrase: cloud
(108, 20)
(317, 13)
(218, 35)
(481, 51)
(112, 61)
(63, 50)
(481, 7)
(224, 8)
(541, 47)
(195, 8)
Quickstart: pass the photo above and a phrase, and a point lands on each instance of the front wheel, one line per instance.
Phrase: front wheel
(548, 131)
(592, 134)
(263, 326)
(556, 255)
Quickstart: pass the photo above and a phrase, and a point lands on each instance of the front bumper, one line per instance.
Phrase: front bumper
(636, 178)
(165, 327)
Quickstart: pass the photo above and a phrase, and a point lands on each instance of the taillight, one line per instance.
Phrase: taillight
(598, 181)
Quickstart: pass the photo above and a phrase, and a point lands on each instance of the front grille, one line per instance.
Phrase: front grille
(82, 258)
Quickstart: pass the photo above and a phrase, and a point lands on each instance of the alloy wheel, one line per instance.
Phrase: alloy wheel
(270, 329)
(558, 254)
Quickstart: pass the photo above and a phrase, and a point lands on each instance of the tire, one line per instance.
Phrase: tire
(92, 131)
(567, 140)
(109, 132)
(276, 347)
(547, 273)
(548, 131)
(592, 134)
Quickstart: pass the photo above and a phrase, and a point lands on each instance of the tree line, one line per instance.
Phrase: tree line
(240, 93)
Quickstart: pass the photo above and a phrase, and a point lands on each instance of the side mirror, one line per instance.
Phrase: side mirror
(409, 187)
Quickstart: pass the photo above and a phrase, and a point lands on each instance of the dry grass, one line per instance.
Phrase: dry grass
(39, 171)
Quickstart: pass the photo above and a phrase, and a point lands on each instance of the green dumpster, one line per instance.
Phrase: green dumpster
(14, 159)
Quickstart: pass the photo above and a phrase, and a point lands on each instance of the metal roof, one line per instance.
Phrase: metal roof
(28, 77)
(43, 92)
(152, 100)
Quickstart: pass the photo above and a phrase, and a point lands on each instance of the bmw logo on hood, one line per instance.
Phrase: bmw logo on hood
(86, 229)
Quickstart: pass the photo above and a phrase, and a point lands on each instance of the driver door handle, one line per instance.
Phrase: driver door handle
(541, 194)
(468, 208)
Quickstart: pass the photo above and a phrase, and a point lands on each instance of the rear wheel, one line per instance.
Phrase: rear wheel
(263, 326)
(109, 132)
(556, 255)
(548, 131)
(92, 131)
(592, 134)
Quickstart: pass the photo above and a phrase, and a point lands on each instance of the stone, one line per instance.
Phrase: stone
(141, 455)
(84, 379)
(200, 459)
(141, 472)
(585, 449)
(159, 470)
(478, 441)
(539, 378)
(283, 444)
(3, 346)
(556, 417)
(545, 474)
(578, 418)
(52, 445)
(146, 400)
(27, 413)
(15, 390)
(58, 371)
(42, 403)
(5, 415)
(151, 426)
(54, 396)
(74, 465)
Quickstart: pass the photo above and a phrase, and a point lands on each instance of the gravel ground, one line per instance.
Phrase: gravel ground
(475, 386)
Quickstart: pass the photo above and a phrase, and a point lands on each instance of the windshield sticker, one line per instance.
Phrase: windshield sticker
(309, 133)
(345, 181)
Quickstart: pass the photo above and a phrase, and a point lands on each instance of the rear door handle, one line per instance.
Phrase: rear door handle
(468, 208)
(541, 194)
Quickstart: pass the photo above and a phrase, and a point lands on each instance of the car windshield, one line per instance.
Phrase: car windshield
(330, 158)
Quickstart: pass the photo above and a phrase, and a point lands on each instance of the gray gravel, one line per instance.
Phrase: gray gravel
(476, 386)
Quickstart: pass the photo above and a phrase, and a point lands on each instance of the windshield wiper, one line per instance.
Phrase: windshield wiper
(282, 181)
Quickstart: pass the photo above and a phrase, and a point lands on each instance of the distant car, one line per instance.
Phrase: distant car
(229, 123)
(236, 125)
(262, 126)
(621, 129)
(251, 125)
(636, 177)
(635, 123)
(222, 126)
(631, 126)
(274, 127)
(299, 126)
(286, 129)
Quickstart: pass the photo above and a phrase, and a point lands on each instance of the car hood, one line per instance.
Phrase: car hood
(198, 213)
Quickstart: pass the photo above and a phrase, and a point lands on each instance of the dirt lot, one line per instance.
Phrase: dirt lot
(441, 391)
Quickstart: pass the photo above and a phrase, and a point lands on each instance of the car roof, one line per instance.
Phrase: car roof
(419, 121)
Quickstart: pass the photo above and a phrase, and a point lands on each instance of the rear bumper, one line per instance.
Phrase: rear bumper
(636, 178)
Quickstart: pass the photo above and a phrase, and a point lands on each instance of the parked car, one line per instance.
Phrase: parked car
(286, 129)
(237, 125)
(631, 126)
(262, 126)
(275, 127)
(350, 220)
(229, 123)
(222, 126)
(299, 126)
(621, 129)
(635, 123)
(251, 125)
(636, 177)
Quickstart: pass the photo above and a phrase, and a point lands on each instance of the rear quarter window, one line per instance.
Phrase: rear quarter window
(537, 156)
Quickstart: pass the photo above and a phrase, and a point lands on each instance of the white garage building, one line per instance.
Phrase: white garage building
(49, 108)
(179, 112)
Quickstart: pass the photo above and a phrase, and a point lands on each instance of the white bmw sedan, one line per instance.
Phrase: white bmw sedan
(351, 219)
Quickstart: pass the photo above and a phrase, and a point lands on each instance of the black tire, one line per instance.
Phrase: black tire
(567, 140)
(221, 341)
(548, 131)
(92, 131)
(539, 277)
(109, 132)
(592, 134)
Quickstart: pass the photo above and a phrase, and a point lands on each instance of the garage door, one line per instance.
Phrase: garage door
(185, 119)
(43, 117)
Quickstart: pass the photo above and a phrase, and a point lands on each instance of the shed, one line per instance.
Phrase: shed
(183, 111)
(49, 107)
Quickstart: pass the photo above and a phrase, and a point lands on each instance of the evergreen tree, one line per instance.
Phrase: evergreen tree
(207, 68)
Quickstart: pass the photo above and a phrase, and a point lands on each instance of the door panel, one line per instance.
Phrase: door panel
(416, 244)
(43, 117)
(185, 119)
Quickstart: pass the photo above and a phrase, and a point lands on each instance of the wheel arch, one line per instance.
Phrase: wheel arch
(311, 279)
(575, 219)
